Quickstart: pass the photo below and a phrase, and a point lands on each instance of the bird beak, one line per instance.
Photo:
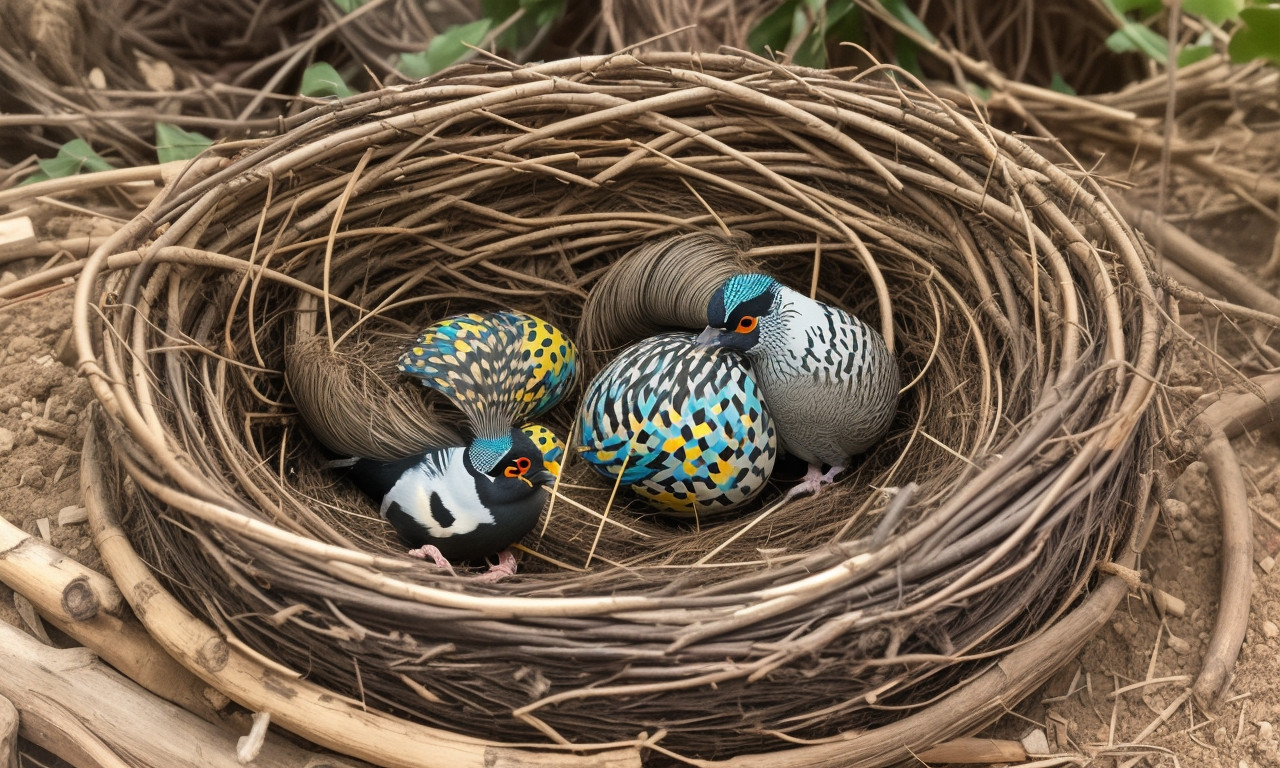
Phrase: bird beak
(544, 478)
(710, 337)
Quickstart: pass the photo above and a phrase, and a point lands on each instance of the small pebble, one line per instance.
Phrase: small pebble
(1179, 646)
(1270, 629)
(1267, 564)
(72, 515)
(1265, 731)
(6, 440)
(1176, 509)
(1035, 742)
(32, 477)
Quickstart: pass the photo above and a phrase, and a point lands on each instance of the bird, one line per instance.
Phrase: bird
(466, 502)
(682, 426)
(828, 378)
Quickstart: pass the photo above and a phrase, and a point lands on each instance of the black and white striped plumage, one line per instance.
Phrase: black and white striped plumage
(828, 379)
(440, 498)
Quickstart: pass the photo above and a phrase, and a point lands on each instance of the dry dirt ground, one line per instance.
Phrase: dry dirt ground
(43, 412)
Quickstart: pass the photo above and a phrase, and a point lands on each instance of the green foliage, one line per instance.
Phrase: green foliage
(448, 47)
(1060, 85)
(807, 27)
(321, 79)
(1135, 36)
(536, 15)
(173, 143)
(904, 14)
(76, 156)
(1216, 11)
(347, 6)
(1259, 38)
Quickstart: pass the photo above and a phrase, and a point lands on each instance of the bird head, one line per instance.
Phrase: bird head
(738, 311)
(512, 463)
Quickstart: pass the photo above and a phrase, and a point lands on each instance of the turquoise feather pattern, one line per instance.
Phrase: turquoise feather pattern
(499, 368)
(683, 425)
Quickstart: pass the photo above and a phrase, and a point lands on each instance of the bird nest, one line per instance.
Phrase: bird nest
(1018, 304)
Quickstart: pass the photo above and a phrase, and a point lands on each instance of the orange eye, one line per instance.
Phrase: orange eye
(747, 324)
(523, 464)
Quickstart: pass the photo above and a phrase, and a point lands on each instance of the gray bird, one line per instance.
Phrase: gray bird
(828, 379)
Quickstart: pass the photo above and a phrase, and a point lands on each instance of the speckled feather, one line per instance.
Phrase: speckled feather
(839, 379)
(499, 368)
(687, 422)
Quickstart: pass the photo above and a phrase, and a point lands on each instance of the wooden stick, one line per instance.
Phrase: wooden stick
(86, 713)
(973, 750)
(87, 606)
(1215, 270)
(1229, 627)
(8, 734)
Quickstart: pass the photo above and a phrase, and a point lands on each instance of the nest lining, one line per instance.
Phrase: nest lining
(1019, 305)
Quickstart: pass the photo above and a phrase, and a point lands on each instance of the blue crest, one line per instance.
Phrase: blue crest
(486, 452)
(740, 288)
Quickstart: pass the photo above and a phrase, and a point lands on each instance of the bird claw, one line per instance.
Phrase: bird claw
(814, 481)
(506, 564)
(430, 552)
(506, 567)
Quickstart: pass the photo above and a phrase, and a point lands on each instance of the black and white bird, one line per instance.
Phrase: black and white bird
(827, 378)
(462, 503)
(467, 502)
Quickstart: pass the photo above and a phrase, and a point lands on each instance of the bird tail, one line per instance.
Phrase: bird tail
(476, 361)
(659, 286)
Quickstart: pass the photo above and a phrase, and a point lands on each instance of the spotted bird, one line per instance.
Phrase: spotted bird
(681, 425)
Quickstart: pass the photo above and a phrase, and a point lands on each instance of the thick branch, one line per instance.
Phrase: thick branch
(88, 714)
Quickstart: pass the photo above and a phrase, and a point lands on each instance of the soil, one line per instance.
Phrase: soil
(43, 407)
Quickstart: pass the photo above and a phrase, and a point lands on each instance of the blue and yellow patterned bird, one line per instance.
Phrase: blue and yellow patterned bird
(469, 502)
(828, 378)
(681, 425)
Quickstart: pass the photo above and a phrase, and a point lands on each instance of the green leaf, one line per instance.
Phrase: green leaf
(845, 25)
(321, 79)
(1259, 38)
(1135, 37)
(1216, 11)
(904, 14)
(347, 6)
(76, 156)
(1146, 8)
(1190, 54)
(173, 143)
(543, 12)
(774, 31)
(812, 50)
(1060, 85)
(908, 55)
(448, 47)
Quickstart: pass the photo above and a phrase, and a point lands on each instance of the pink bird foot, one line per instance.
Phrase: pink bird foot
(506, 567)
(814, 481)
(429, 552)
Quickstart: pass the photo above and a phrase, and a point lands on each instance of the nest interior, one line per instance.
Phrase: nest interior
(1018, 303)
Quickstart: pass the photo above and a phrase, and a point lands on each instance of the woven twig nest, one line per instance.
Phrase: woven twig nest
(1018, 304)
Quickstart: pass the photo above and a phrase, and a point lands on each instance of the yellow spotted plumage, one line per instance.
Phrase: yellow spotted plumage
(500, 368)
(546, 441)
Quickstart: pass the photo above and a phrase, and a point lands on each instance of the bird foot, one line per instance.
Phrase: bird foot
(430, 552)
(506, 567)
(814, 481)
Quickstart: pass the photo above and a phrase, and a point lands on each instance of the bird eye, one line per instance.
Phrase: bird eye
(523, 464)
(747, 324)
